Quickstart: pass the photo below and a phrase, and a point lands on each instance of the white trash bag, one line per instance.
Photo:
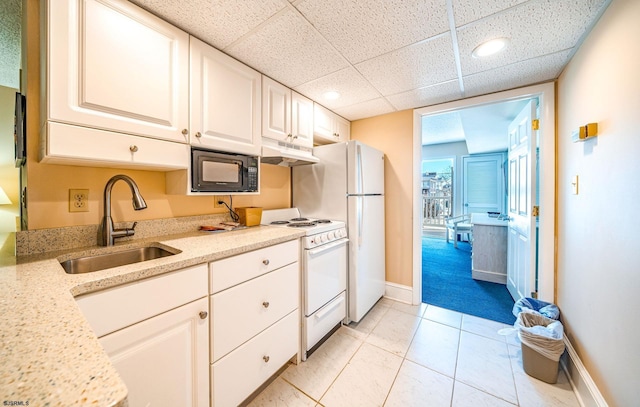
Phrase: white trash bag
(542, 334)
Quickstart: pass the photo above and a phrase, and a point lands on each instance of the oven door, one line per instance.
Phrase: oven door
(325, 274)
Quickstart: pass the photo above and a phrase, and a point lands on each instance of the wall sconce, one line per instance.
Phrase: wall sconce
(4, 199)
(585, 132)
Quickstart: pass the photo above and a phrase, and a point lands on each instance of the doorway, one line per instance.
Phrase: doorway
(546, 220)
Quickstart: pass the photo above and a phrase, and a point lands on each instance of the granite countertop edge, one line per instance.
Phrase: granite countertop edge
(50, 355)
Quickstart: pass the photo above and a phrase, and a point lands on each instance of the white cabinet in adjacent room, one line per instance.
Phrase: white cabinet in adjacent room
(225, 102)
(286, 115)
(114, 67)
(328, 127)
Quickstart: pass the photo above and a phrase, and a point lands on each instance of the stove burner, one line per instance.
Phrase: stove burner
(279, 222)
(301, 224)
(299, 219)
(323, 221)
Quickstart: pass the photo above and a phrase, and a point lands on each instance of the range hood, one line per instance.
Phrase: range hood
(286, 154)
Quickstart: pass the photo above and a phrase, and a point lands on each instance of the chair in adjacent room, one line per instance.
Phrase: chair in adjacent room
(458, 226)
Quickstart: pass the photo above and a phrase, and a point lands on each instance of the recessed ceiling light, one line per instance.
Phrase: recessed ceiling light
(490, 47)
(331, 95)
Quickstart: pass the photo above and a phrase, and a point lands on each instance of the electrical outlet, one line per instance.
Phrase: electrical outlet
(218, 199)
(78, 200)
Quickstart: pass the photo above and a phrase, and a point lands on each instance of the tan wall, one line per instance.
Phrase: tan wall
(598, 256)
(393, 134)
(9, 174)
(48, 185)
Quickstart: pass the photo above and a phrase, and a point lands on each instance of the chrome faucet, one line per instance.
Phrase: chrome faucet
(106, 232)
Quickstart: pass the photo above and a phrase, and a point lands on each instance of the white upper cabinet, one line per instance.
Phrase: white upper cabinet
(329, 127)
(113, 66)
(225, 102)
(286, 115)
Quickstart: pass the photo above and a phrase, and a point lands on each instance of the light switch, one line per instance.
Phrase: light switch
(574, 184)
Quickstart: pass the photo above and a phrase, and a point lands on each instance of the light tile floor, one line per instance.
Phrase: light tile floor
(401, 355)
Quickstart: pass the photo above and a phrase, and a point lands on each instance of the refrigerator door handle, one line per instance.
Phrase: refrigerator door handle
(360, 219)
(360, 189)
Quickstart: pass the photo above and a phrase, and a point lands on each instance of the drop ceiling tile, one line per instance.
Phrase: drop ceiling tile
(353, 88)
(442, 128)
(366, 109)
(520, 74)
(466, 11)
(427, 96)
(287, 49)
(361, 30)
(419, 65)
(534, 29)
(217, 22)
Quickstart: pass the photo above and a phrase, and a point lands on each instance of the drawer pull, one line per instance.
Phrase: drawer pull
(185, 132)
(133, 148)
(265, 262)
(203, 314)
(266, 359)
(265, 304)
(198, 134)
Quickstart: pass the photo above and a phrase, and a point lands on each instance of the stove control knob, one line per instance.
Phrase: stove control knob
(331, 235)
(323, 237)
(340, 233)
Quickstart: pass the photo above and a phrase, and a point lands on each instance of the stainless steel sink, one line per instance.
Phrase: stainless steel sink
(88, 264)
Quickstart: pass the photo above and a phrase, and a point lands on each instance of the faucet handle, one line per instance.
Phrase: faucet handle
(134, 225)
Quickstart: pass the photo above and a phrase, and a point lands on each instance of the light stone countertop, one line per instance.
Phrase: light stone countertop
(49, 354)
(484, 219)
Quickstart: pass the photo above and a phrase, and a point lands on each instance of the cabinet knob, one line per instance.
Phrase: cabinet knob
(203, 314)
(185, 132)
(133, 148)
(265, 262)
(266, 359)
(198, 134)
(289, 135)
(295, 137)
(265, 304)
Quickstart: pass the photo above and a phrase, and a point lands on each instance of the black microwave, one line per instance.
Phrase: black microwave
(218, 171)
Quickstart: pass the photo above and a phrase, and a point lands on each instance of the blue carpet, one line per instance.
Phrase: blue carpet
(447, 283)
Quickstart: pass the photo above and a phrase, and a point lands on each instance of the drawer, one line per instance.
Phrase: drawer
(98, 148)
(242, 311)
(118, 307)
(237, 375)
(321, 322)
(234, 270)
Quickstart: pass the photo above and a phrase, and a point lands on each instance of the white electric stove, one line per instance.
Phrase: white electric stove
(324, 258)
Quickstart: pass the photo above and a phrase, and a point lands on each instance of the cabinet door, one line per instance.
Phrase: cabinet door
(301, 120)
(113, 66)
(342, 128)
(164, 360)
(276, 110)
(323, 124)
(225, 102)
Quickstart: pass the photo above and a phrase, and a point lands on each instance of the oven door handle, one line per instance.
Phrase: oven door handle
(325, 247)
(324, 311)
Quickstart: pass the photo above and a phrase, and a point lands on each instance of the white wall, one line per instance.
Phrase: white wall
(448, 150)
(598, 264)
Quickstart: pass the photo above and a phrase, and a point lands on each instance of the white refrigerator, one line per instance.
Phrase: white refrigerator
(348, 185)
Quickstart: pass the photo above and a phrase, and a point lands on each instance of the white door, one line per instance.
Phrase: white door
(521, 241)
(225, 102)
(366, 253)
(164, 361)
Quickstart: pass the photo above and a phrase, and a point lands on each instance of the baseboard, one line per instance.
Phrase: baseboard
(489, 276)
(583, 385)
(398, 292)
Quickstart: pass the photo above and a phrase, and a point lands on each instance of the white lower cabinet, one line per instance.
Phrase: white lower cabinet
(156, 333)
(255, 325)
(163, 360)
